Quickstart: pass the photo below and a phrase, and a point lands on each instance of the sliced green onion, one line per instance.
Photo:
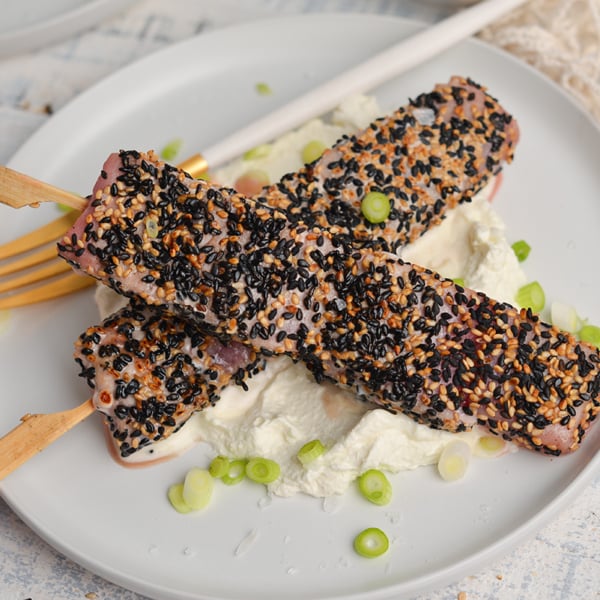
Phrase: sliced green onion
(489, 446)
(375, 207)
(197, 488)
(64, 208)
(532, 296)
(310, 451)
(521, 250)
(235, 473)
(590, 334)
(260, 151)
(175, 496)
(459, 281)
(312, 151)
(151, 228)
(375, 487)
(264, 89)
(564, 316)
(262, 470)
(171, 150)
(371, 542)
(454, 460)
(219, 466)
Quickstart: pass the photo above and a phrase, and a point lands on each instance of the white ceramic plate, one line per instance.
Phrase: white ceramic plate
(30, 24)
(117, 522)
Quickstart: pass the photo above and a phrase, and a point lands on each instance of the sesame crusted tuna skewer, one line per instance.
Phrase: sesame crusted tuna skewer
(151, 370)
(429, 156)
(399, 335)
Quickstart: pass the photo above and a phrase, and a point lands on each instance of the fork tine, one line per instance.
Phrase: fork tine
(29, 260)
(61, 286)
(47, 233)
(52, 268)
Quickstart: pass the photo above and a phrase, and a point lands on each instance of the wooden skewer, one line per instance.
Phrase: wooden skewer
(36, 432)
(18, 190)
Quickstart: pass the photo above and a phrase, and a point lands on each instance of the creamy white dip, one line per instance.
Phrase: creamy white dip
(284, 408)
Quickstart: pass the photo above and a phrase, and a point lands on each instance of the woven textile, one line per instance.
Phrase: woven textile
(561, 38)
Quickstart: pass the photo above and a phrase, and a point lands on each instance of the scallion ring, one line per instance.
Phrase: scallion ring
(235, 473)
(262, 470)
(375, 487)
(532, 296)
(312, 151)
(219, 466)
(371, 542)
(197, 488)
(521, 250)
(590, 334)
(171, 150)
(175, 496)
(375, 207)
(310, 451)
(260, 151)
(152, 228)
(564, 316)
(454, 460)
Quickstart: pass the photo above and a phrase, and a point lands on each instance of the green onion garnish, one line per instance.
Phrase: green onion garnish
(454, 460)
(151, 228)
(375, 487)
(197, 488)
(375, 207)
(312, 151)
(64, 208)
(521, 250)
(489, 446)
(235, 473)
(264, 89)
(459, 281)
(262, 470)
(564, 316)
(532, 296)
(590, 334)
(171, 150)
(219, 466)
(175, 496)
(371, 542)
(260, 151)
(310, 451)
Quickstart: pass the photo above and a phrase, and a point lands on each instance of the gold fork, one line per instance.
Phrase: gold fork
(30, 263)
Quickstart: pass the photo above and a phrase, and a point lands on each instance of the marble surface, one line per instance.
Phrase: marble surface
(561, 562)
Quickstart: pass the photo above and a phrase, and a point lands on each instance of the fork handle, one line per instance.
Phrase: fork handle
(18, 190)
(36, 432)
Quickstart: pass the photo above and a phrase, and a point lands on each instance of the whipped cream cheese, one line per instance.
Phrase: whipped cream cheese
(284, 407)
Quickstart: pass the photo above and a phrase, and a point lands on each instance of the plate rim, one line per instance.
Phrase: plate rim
(59, 27)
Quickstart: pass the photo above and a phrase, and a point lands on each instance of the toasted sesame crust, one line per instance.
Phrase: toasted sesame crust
(150, 370)
(397, 334)
(428, 156)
